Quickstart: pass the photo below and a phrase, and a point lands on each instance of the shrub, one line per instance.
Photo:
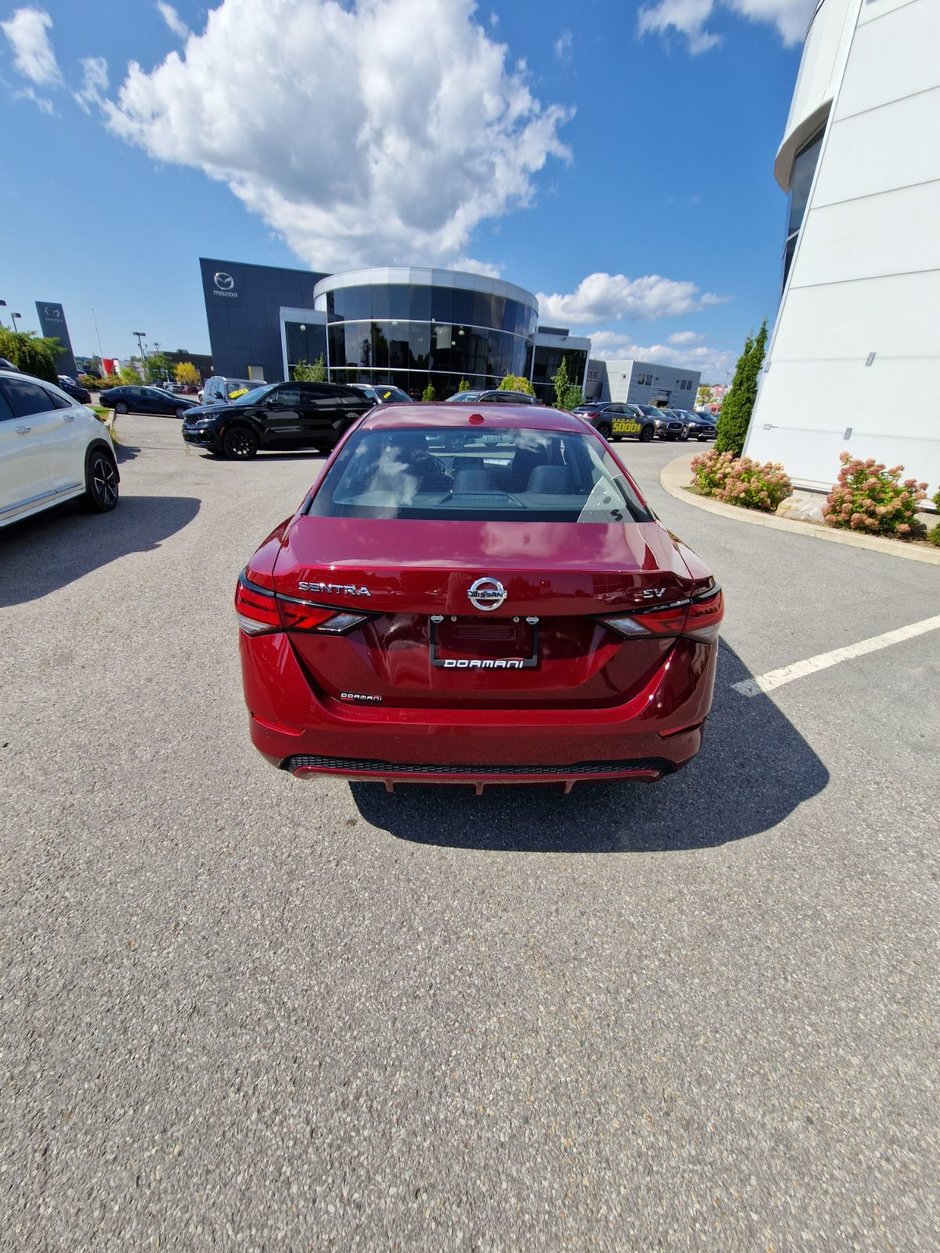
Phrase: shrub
(871, 499)
(30, 354)
(429, 393)
(310, 372)
(740, 481)
(516, 383)
(464, 386)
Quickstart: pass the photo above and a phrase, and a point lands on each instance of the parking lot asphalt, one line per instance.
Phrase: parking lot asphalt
(254, 1012)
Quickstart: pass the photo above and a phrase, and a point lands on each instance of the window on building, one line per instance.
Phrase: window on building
(804, 167)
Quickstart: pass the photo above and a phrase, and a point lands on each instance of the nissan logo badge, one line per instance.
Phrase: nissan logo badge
(486, 594)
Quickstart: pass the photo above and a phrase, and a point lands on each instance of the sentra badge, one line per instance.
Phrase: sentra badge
(335, 589)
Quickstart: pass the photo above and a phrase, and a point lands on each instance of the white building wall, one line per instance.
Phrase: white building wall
(623, 383)
(854, 361)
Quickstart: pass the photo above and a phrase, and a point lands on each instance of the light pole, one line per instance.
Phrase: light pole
(13, 317)
(3, 305)
(140, 344)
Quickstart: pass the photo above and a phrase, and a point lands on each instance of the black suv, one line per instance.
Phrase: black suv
(276, 415)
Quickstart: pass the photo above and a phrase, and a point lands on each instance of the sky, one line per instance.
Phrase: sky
(613, 157)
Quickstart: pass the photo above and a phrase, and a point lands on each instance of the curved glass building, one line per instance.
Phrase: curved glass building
(412, 327)
(854, 360)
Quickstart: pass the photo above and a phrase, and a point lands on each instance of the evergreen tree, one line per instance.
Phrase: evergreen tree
(464, 386)
(429, 393)
(738, 403)
(567, 394)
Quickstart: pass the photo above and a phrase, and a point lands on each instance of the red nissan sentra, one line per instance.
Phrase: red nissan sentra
(469, 597)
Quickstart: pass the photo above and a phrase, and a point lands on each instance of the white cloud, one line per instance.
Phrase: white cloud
(174, 22)
(608, 297)
(354, 156)
(689, 17)
(714, 363)
(563, 45)
(94, 82)
(33, 56)
(681, 338)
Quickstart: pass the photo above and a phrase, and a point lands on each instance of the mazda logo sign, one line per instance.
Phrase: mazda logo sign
(224, 281)
(486, 594)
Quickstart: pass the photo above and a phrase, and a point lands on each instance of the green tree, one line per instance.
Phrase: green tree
(738, 404)
(30, 353)
(704, 396)
(156, 368)
(304, 372)
(516, 383)
(567, 394)
(187, 374)
(128, 376)
(464, 386)
(429, 393)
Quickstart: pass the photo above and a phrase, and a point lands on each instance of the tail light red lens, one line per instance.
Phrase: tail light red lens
(260, 611)
(705, 614)
(255, 608)
(697, 617)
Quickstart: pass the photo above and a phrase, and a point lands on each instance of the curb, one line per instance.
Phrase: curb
(674, 479)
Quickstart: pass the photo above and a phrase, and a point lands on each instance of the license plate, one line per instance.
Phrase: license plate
(478, 644)
(625, 426)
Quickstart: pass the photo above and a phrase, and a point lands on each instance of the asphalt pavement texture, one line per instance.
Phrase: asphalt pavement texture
(243, 1011)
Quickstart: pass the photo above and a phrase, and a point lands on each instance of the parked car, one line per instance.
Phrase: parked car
(144, 400)
(220, 390)
(668, 426)
(382, 393)
(277, 415)
(52, 449)
(699, 425)
(614, 421)
(8, 365)
(482, 647)
(75, 389)
(492, 396)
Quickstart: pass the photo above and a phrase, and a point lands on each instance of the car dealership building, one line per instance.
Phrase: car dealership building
(854, 359)
(404, 325)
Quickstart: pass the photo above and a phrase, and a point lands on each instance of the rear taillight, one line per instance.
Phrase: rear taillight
(696, 617)
(260, 611)
(705, 613)
(255, 608)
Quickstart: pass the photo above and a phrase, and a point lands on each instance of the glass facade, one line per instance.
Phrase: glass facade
(546, 364)
(804, 167)
(415, 334)
(304, 343)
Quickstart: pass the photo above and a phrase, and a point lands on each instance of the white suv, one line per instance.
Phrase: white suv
(51, 449)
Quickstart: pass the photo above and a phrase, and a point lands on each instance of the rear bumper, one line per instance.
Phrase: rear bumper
(644, 739)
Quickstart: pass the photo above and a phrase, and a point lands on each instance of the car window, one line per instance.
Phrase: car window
(454, 475)
(237, 388)
(288, 397)
(57, 401)
(25, 397)
(5, 411)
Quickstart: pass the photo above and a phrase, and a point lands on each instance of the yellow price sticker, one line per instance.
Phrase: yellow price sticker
(626, 426)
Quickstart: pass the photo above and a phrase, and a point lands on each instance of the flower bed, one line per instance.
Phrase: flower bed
(740, 481)
(873, 500)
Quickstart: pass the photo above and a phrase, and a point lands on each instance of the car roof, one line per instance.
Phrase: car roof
(504, 417)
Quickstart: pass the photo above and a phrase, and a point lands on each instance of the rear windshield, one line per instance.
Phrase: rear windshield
(463, 475)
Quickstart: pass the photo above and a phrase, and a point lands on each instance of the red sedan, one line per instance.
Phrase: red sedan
(470, 597)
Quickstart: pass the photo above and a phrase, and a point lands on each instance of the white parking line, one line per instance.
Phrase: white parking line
(786, 674)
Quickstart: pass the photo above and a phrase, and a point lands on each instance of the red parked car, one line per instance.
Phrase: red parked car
(476, 597)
